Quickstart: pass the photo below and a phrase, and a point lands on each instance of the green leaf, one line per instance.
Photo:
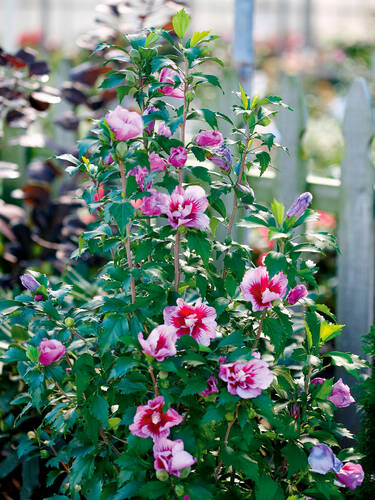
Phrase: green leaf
(275, 262)
(155, 489)
(112, 81)
(329, 331)
(277, 333)
(99, 409)
(122, 366)
(114, 326)
(278, 210)
(245, 100)
(322, 391)
(199, 243)
(296, 457)
(240, 461)
(194, 386)
(32, 353)
(152, 38)
(122, 214)
(264, 160)
(128, 491)
(268, 489)
(210, 117)
(230, 284)
(351, 362)
(181, 23)
(313, 329)
(13, 354)
(198, 36)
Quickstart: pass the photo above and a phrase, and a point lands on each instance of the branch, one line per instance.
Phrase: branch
(259, 332)
(154, 383)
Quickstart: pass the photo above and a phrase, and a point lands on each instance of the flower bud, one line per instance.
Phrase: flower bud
(162, 475)
(44, 453)
(38, 297)
(163, 375)
(229, 416)
(31, 435)
(121, 149)
(69, 322)
(190, 96)
(179, 489)
(185, 472)
(165, 384)
(295, 410)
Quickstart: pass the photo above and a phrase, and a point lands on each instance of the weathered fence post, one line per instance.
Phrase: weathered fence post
(243, 46)
(355, 294)
(291, 168)
(355, 300)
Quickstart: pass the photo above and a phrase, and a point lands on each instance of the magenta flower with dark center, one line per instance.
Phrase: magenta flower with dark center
(187, 207)
(160, 343)
(151, 421)
(124, 123)
(171, 456)
(198, 321)
(257, 288)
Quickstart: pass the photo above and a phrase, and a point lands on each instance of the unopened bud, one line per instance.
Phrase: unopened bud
(185, 472)
(69, 322)
(31, 435)
(44, 453)
(179, 489)
(163, 375)
(162, 475)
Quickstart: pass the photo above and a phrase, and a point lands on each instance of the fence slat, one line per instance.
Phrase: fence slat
(291, 168)
(355, 299)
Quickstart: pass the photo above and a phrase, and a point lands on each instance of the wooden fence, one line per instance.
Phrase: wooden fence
(351, 199)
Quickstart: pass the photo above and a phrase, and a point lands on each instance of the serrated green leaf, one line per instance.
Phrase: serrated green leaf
(181, 23)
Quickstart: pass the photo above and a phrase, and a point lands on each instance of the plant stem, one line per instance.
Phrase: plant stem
(184, 114)
(154, 383)
(177, 261)
(108, 442)
(226, 438)
(127, 242)
(259, 332)
(66, 467)
(63, 392)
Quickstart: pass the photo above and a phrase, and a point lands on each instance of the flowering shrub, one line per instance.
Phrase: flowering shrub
(188, 374)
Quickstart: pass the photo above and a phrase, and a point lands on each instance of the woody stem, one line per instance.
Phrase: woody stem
(177, 261)
(127, 242)
(154, 383)
(259, 331)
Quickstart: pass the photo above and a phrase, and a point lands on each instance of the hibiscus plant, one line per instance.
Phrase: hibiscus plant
(192, 372)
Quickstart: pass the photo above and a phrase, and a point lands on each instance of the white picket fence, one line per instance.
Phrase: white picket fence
(351, 199)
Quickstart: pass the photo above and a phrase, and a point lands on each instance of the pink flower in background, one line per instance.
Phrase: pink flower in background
(261, 291)
(136, 203)
(209, 138)
(161, 342)
(152, 205)
(340, 395)
(198, 321)
(140, 174)
(222, 157)
(171, 456)
(187, 207)
(51, 350)
(164, 130)
(124, 123)
(151, 421)
(318, 380)
(246, 379)
(351, 475)
(211, 387)
(296, 293)
(168, 75)
(178, 156)
(325, 220)
(100, 194)
(157, 163)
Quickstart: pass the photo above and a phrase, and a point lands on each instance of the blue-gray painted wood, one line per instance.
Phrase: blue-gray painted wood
(355, 300)
(291, 167)
(243, 45)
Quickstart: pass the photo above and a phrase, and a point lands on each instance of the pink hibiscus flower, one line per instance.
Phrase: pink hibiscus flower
(209, 138)
(151, 421)
(261, 291)
(140, 174)
(186, 207)
(152, 205)
(168, 75)
(164, 130)
(125, 124)
(246, 379)
(157, 163)
(198, 321)
(160, 343)
(351, 475)
(171, 456)
(211, 387)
